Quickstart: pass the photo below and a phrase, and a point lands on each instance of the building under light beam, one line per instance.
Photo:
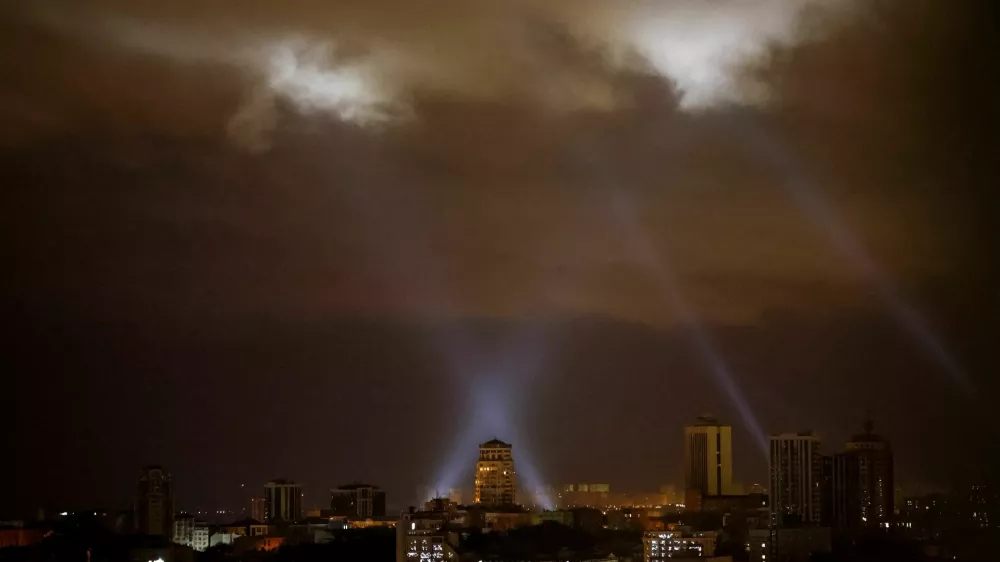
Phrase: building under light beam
(496, 481)
(708, 458)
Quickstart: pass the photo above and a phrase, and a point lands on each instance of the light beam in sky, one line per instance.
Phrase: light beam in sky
(625, 217)
(769, 148)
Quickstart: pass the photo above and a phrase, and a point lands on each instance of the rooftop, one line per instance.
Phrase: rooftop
(706, 419)
(495, 443)
(806, 434)
(869, 436)
(355, 486)
(244, 523)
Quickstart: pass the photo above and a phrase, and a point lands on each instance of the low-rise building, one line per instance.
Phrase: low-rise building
(731, 504)
(183, 529)
(425, 537)
(586, 518)
(670, 545)
(562, 517)
(219, 537)
(19, 536)
(270, 543)
(200, 536)
(248, 528)
(189, 531)
(246, 544)
(635, 518)
(796, 544)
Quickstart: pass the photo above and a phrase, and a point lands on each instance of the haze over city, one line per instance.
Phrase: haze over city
(352, 241)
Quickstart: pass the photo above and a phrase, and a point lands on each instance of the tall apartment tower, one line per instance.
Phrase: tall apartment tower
(154, 504)
(863, 486)
(496, 481)
(257, 510)
(708, 457)
(282, 501)
(796, 468)
(357, 501)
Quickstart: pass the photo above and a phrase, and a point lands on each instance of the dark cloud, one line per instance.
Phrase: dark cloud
(174, 297)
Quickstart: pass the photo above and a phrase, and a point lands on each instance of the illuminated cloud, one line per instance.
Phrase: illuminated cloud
(307, 75)
(559, 55)
(701, 46)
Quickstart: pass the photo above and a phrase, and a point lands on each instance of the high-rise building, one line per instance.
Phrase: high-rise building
(282, 501)
(796, 468)
(257, 510)
(708, 457)
(826, 490)
(154, 505)
(358, 500)
(862, 484)
(496, 481)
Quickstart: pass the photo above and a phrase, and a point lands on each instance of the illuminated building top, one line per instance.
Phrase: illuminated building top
(496, 481)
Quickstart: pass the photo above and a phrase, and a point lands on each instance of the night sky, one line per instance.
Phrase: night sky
(545, 222)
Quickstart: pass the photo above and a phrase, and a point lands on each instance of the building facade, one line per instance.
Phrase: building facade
(708, 457)
(200, 536)
(496, 480)
(420, 539)
(191, 532)
(184, 529)
(154, 506)
(247, 528)
(862, 484)
(787, 545)
(796, 472)
(357, 500)
(19, 536)
(584, 495)
(282, 501)
(257, 509)
(670, 545)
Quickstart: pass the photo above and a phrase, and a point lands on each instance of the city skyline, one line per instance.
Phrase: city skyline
(817, 503)
(250, 501)
(574, 228)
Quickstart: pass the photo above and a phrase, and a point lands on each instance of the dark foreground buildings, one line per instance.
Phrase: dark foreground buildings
(357, 500)
(862, 484)
(154, 505)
